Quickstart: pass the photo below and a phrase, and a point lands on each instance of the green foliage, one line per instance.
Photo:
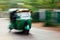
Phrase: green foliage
(36, 4)
(50, 24)
(32, 4)
(50, 21)
(35, 17)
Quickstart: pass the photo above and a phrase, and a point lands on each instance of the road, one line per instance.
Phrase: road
(35, 33)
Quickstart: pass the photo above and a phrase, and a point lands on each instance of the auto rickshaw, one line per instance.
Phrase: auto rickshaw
(20, 19)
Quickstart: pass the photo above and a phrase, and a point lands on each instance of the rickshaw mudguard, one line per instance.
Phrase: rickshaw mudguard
(28, 26)
(11, 26)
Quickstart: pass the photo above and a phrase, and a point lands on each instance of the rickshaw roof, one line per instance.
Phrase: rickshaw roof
(19, 10)
(23, 10)
(11, 10)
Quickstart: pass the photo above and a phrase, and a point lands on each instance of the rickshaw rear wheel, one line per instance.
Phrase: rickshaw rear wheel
(27, 32)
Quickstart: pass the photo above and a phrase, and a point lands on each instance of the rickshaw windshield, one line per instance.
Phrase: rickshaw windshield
(24, 15)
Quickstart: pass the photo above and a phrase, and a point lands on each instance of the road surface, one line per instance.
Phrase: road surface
(35, 33)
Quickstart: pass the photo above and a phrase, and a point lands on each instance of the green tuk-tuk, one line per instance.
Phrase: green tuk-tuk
(20, 19)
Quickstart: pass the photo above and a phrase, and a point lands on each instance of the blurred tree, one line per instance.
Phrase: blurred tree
(36, 4)
(6, 4)
(3, 5)
(32, 4)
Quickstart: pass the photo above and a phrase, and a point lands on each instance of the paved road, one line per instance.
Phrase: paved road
(35, 34)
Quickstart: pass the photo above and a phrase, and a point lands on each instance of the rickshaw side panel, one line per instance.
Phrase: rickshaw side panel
(22, 24)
